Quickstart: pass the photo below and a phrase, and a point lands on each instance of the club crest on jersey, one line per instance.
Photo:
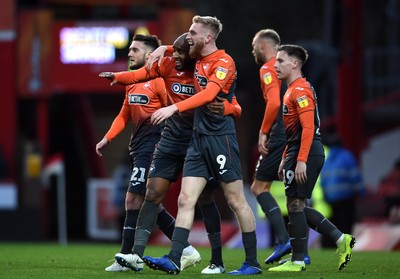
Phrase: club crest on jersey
(185, 89)
(221, 73)
(267, 78)
(302, 101)
(138, 99)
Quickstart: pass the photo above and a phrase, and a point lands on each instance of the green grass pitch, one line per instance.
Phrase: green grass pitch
(88, 260)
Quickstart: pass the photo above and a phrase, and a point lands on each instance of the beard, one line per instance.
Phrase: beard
(138, 64)
(259, 59)
(195, 49)
(134, 66)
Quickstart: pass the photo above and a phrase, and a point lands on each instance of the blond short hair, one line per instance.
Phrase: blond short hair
(211, 22)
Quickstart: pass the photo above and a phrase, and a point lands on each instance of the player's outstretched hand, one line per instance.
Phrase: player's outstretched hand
(110, 76)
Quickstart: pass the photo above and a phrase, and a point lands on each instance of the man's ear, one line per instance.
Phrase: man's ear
(148, 54)
(209, 38)
(295, 64)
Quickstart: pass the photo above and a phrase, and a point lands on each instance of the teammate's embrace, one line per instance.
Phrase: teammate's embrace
(177, 72)
(213, 149)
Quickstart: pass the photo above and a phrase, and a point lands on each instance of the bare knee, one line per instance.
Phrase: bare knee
(186, 201)
(154, 195)
(156, 190)
(258, 187)
(254, 189)
(235, 202)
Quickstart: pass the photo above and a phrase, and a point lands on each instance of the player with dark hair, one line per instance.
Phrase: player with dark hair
(177, 72)
(302, 161)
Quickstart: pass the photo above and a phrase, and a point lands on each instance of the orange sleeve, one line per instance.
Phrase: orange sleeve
(271, 109)
(139, 75)
(201, 98)
(233, 108)
(307, 136)
(119, 122)
(161, 91)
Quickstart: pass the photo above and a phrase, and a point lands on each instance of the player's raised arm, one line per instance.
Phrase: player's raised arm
(159, 54)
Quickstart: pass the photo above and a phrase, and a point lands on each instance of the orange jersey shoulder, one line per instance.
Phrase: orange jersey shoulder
(269, 78)
(299, 96)
(271, 89)
(297, 99)
(217, 67)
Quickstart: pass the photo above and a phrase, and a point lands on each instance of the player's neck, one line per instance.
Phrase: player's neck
(208, 49)
(293, 78)
(270, 55)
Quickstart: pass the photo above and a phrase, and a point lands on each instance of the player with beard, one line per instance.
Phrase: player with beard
(213, 150)
(177, 72)
(271, 140)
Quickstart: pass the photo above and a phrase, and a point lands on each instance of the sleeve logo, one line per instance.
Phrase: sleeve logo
(267, 78)
(221, 73)
(302, 101)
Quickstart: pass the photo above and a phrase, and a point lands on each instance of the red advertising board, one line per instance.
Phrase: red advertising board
(66, 56)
